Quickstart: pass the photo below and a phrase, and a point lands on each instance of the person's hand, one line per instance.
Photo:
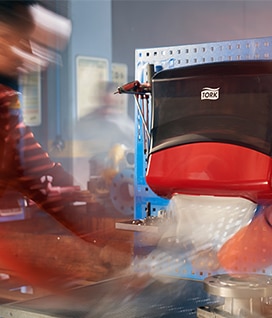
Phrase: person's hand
(250, 248)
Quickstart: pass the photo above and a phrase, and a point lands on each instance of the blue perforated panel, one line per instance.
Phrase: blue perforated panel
(165, 58)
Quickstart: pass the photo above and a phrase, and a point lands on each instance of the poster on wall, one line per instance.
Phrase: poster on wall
(90, 72)
(120, 77)
(31, 98)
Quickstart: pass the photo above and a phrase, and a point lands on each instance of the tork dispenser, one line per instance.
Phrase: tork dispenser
(211, 130)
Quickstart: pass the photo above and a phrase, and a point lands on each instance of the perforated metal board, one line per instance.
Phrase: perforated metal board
(167, 58)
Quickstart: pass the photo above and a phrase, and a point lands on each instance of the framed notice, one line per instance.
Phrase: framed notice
(90, 72)
(31, 98)
(120, 77)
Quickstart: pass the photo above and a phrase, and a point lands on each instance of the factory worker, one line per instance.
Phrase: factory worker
(24, 165)
(106, 135)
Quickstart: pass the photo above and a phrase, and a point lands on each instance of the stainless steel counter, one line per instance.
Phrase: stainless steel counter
(128, 297)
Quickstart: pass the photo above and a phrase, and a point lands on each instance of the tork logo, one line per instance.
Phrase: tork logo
(210, 93)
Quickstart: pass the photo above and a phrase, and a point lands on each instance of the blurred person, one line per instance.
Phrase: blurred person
(106, 135)
(24, 166)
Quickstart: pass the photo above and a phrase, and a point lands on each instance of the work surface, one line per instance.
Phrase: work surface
(121, 298)
(99, 278)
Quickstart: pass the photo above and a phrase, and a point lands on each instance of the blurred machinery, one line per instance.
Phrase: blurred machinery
(111, 178)
(241, 296)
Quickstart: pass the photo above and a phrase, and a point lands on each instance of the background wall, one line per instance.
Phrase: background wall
(91, 36)
(113, 29)
(151, 23)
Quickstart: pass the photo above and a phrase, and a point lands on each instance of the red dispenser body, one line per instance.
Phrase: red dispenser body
(211, 131)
